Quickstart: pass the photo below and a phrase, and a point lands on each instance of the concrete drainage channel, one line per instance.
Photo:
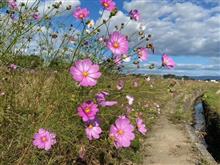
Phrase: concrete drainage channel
(198, 127)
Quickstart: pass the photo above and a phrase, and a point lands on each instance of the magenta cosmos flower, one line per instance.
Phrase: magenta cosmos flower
(44, 139)
(36, 16)
(101, 99)
(141, 126)
(13, 66)
(122, 132)
(85, 72)
(12, 4)
(134, 15)
(118, 43)
(93, 130)
(108, 5)
(142, 54)
(88, 110)
(167, 62)
(81, 13)
(120, 85)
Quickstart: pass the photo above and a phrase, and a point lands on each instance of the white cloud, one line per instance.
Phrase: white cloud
(180, 28)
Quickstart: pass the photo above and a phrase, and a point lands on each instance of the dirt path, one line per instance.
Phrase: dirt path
(168, 143)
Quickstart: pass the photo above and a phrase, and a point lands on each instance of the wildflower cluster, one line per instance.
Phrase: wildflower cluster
(90, 50)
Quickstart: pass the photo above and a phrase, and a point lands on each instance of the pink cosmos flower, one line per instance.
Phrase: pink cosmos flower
(2, 93)
(93, 130)
(101, 99)
(142, 54)
(134, 15)
(12, 4)
(88, 110)
(36, 16)
(120, 85)
(168, 62)
(122, 132)
(118, 43)
(13, 66)
(108, 5)
(44, 139)
(130, 99)
(81, 13)
(135, 83)
(82, 152)
(85, 72)
(141, 126)
(117, 60)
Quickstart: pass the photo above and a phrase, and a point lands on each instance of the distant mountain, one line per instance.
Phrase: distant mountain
(206, 78)
(217, 78)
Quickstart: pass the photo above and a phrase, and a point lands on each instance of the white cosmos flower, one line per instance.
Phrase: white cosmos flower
(130, 99)
(126, 58)
(91, 23)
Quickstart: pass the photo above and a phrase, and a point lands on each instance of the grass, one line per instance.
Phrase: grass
(49, 99)
(212, 99)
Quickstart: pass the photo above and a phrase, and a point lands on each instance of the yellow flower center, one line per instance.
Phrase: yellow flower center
(120, 132)
(90, 126)
(43, 139)
(116, 44)
(85, 74)
(105, 4)
(87, 110)
(81, 16)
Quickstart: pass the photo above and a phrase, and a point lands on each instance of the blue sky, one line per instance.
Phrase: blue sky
(199, 61)
(187, 30)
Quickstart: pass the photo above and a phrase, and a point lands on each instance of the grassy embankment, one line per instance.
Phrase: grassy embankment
(49, 99)
(211, 102)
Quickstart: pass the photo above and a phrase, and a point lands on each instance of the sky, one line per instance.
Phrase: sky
(187, 30)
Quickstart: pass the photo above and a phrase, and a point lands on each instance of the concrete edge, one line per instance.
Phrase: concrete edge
(192, 134)
(202, 149)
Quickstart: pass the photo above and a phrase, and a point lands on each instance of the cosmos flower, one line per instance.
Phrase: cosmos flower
(108, 5)
(82, 152)
(88, 110)
(101, 99)
(81, 13)
(141, 126)
(117, 43)
(126, 58)
(130, 99)
(44, 139)
(134, 15)
(135, 83)
(90, 24)
(12, 4)
(2, 93)
(122, 132)
(120, 85)
(167, 62)
(117, 60)
(36, 16)
(142, 54)
(13, 66)
(93, 130)
(85, 72)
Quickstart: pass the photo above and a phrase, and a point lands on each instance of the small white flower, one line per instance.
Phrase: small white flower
(142, 27)
(126, 58)
(130, 99)
(87, 31)
(91, 24)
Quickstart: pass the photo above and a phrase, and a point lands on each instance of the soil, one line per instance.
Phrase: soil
(169, 143)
